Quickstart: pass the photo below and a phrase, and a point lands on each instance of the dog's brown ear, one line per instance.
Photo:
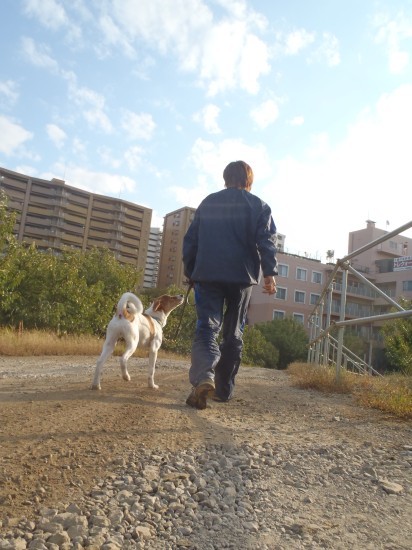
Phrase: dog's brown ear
(156, 304)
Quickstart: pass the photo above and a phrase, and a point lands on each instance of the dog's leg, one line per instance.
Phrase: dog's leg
(151, 368)
(131, 345)
(108, 349)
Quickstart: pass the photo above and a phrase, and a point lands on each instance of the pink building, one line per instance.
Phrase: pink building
(299, 285)
(387, 265)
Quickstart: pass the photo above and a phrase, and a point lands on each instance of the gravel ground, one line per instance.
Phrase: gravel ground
(130, 467)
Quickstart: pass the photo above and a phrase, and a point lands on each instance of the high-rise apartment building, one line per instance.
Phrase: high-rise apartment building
(151, 271)
(53, 215)
(175, 225)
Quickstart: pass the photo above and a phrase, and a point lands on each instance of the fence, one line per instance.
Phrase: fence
(324, 349)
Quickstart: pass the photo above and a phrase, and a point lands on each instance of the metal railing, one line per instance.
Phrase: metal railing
(324, 349)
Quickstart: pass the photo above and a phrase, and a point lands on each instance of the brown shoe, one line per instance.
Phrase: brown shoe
(199, 394)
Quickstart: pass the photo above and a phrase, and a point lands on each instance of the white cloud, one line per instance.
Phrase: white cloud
(398, 61)
(319, 146)
(336, 188)
(167, 26)
(38, 55)
(51, 14)
(208, 118)
(296, 41)
(108, 158)
(133, 157)
(321, 50)
(9, 91)
(96, 117)
(92, 102)
(193, 195)
(78, 146)
(232, 57)
(265, 114)
(113, 36)
(56, 134)
(392, 32)
(101, 183)
(327, 51)
(157, 220)
(12, 136)
(225, 54)
(138, 125)
(297, 121)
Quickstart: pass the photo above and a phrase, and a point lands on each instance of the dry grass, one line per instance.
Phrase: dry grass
(390, 393)
(36, 343)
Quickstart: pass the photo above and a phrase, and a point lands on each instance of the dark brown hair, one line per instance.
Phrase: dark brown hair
(238, 174)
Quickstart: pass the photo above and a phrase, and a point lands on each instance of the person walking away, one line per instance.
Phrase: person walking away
(230, 242)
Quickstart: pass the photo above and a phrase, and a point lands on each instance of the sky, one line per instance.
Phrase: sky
(149, 100)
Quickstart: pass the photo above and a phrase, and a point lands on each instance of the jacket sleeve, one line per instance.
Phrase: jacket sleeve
(190, 244)
(266, 242)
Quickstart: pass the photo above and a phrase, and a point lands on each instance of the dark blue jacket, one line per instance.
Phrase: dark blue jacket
(230, 238)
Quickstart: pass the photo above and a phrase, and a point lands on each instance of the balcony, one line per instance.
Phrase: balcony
(360, 291)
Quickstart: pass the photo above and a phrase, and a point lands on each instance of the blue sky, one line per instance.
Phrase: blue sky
(149, 100)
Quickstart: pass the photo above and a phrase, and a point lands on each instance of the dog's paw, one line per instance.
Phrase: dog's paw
(126, 377)
(96, 387)
(152, 385)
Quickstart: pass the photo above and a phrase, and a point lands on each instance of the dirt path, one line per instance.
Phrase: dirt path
(57, 437)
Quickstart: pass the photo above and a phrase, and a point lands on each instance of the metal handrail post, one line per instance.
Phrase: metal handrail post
(341, 330)
(320, 330)
(326, 341)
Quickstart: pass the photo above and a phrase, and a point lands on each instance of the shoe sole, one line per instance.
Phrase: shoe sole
(198, 398)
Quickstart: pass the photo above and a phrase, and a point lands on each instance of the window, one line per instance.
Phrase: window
(299, 297)
(407, 285)
(277, 314)
(280, 293)
(314, 298)
(299, 317)
(283, 270)
(316, 277)
(301, 274)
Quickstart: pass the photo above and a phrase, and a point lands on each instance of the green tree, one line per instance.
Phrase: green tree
(7, 221)
(355, 343)
(397, 336)
(257, 351)
(181, 324)
(288, 337)
(72, 292)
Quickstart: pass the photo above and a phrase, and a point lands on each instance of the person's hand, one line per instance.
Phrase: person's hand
(269, 285)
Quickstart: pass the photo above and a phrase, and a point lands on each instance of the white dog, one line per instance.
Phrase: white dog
(137, 329)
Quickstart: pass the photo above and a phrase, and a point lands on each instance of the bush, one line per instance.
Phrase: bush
(398, 341)
(73, 292)
(257, 351)
(288, 337)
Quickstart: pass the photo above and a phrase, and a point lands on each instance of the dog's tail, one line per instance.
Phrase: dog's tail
(129, 305)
